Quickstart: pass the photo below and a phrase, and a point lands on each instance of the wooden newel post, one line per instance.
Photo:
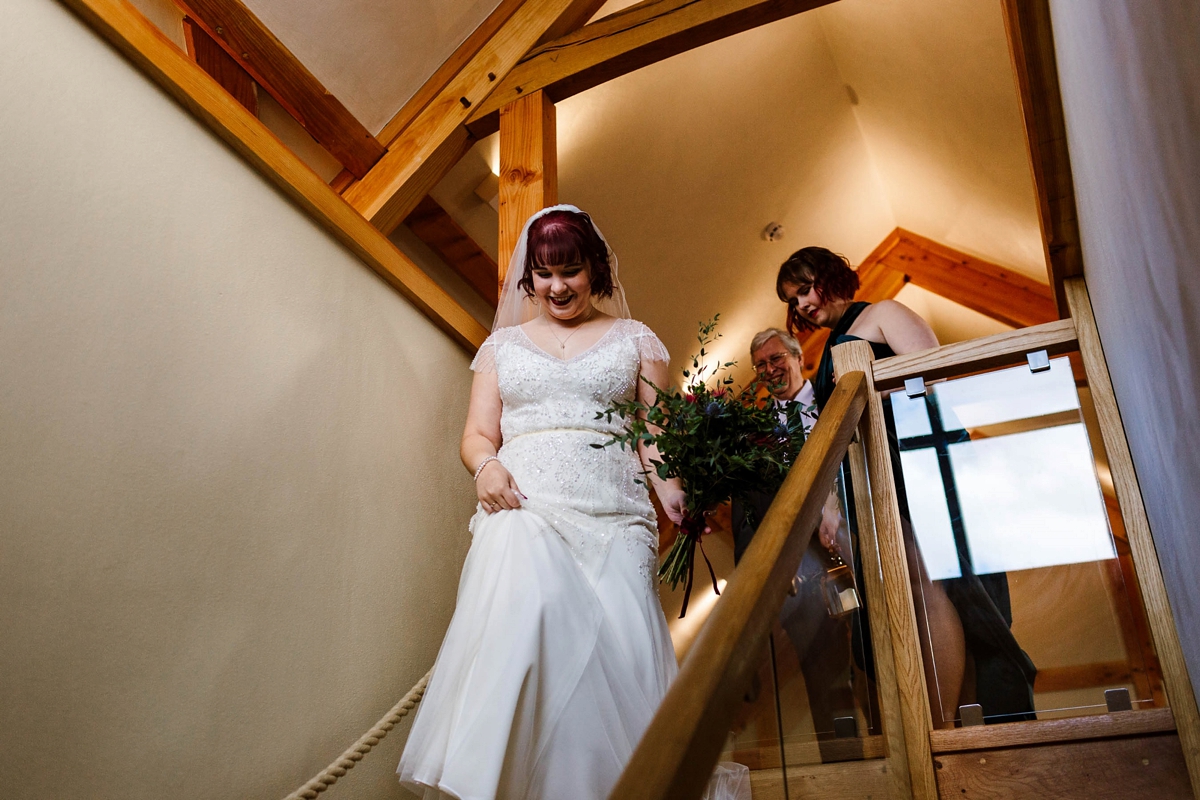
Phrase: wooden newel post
(876, 593)
(528, 167)
(911, 699)
(1180, 694)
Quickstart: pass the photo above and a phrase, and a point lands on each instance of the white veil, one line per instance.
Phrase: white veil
(516, 307)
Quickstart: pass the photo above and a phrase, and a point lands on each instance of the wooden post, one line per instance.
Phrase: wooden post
(876, 607)
(1031, 45)
(909, 672)
(528, 167)
(1137, 526)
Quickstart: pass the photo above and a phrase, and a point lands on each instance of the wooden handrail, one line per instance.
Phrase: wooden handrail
(975, 355)
(682, 744)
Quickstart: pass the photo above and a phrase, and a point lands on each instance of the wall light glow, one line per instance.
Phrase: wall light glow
(684, 631)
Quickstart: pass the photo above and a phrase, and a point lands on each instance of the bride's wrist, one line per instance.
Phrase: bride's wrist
(482, 464)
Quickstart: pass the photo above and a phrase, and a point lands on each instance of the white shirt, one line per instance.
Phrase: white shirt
(807, 397)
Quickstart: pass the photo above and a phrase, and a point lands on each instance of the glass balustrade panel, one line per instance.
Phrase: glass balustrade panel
(1024, 589)
(812, 699)
(823, 659)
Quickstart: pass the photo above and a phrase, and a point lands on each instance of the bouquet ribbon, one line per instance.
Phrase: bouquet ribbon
(692, 530)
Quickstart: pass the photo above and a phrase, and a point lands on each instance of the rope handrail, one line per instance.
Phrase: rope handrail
(346, 761)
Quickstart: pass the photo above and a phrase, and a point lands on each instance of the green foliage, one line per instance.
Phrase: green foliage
(720, 442)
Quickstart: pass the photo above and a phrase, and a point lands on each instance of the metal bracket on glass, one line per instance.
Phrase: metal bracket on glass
(845, 728)
(914, 387)
(971, 715)
(1038, 361)
(1117, 700)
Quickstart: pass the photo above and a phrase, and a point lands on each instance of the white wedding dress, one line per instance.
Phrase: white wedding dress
(558, 653)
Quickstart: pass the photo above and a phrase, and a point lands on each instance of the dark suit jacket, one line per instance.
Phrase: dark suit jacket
(753, 509)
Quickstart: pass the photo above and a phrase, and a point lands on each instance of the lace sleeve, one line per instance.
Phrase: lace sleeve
(485, 359)
(650, 347)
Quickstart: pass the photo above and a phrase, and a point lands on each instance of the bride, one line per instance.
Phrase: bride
(558, 653)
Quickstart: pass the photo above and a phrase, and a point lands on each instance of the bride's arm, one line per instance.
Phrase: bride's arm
(481, 440)
(670, 492)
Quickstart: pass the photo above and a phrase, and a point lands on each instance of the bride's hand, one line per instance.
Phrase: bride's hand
(674, 501)
(496, 488)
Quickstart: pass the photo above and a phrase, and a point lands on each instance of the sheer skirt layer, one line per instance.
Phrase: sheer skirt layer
(558, 653)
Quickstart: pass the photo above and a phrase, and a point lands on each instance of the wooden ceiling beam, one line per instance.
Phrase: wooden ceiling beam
(438, 230)
(1031, 45)
(572, 20)
(248, 42)
(904, 256)
(528, 168)
(213, 59)
(579, 12)
(163, 62)
(421, 154)
(457, 61)
(980, 285)
(878, 279)
(626, 41)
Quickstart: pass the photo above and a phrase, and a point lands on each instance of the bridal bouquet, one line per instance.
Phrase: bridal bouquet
(721, 443)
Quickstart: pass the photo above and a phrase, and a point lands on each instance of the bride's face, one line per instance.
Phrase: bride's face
(564, 291)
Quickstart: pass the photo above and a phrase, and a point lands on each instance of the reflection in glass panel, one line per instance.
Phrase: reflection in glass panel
(813, 699)
(1012, 524)
(910, 415)
(828, 711)
(1019, 518)
(930, 516)
(1010, 394)
(754, 737)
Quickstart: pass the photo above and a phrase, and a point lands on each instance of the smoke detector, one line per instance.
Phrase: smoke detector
(773, 232)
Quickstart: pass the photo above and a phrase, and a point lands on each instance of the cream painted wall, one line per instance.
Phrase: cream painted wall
(1131, 96)
(231, 507)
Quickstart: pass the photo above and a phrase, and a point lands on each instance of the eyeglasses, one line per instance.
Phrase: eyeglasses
(778, 361)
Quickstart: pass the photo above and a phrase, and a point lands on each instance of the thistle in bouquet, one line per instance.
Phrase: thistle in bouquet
(720, 442)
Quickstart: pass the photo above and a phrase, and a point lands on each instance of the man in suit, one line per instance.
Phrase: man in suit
(821, 640)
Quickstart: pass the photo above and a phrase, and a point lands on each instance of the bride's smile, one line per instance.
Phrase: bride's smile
(565, 291)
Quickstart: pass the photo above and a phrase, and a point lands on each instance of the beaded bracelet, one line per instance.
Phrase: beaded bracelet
(483, 464)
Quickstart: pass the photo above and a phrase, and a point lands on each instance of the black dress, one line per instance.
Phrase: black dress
(1004, 673)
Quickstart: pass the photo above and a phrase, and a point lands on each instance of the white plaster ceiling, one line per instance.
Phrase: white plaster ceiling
(372, 55)
(938, 107)
(683, 163)
(840, 123)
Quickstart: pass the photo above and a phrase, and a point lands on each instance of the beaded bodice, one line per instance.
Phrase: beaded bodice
(541, 392)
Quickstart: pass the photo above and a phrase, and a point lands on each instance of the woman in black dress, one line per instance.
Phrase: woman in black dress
(958, 615)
